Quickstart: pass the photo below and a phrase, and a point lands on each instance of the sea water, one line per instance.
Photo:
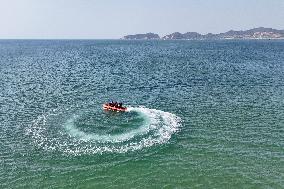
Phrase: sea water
(201, 114)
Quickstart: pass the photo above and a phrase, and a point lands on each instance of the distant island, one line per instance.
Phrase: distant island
(142, 36)
(255, 33)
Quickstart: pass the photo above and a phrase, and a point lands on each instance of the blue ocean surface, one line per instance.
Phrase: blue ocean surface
(201, 114)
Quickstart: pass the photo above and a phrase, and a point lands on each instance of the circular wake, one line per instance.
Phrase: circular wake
(53, 131)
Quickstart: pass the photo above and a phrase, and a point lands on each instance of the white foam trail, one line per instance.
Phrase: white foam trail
(157, 128)
(75, 132)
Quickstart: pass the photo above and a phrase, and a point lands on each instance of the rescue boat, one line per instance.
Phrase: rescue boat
(114, 108)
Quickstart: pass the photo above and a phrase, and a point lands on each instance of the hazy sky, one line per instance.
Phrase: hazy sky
(106, 19)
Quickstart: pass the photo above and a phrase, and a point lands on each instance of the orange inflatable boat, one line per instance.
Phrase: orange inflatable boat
(114, 108)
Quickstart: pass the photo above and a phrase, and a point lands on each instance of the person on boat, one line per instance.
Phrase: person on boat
(115, 104)
(120, 105)
(109, 103)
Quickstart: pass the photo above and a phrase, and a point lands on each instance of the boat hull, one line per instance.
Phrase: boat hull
(112, 108)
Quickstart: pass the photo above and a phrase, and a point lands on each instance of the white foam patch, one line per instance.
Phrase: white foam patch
(157, 128)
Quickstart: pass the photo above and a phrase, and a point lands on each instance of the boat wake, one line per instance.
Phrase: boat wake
(56, 132)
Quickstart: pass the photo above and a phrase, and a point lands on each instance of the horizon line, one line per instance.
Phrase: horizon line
(83, 38)
(121, 39)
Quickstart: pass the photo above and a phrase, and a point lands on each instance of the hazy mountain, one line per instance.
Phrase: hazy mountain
(255, 33)
(188, 35)
(142, 36)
